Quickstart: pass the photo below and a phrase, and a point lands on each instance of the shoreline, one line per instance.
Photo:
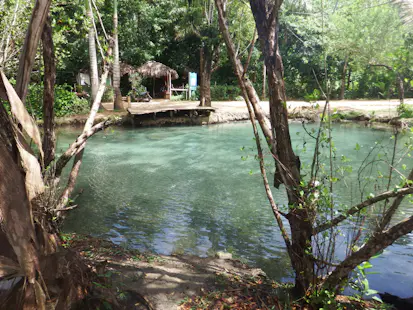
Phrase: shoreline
(178, 281)
(367, 113)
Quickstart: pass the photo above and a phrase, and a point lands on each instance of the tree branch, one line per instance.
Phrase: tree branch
(390, 212)
(406, 190)
(75, 147)
(254, 39)
(373, 246)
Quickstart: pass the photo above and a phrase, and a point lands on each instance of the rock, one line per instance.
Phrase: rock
(257, 272)
(223, 255)
(399, 303)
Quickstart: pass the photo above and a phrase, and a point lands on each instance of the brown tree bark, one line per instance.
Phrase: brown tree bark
(288, 167)
(49, 137)
(343, 79)
(205, 61)
(277, 134)
(33, 34)
(243, 81)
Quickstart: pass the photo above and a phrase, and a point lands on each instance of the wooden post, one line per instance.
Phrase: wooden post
(170, 85)
(153, 88)
(169, 88)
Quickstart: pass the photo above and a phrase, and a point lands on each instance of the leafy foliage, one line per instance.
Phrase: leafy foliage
(66, 101)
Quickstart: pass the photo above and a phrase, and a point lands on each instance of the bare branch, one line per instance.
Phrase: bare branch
(390, 212)
(373, 246)
(254, 39)
(383, 196)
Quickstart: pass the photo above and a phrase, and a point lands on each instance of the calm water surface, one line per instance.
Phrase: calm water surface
(187, 190)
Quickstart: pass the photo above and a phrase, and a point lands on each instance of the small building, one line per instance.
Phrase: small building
(156, 70)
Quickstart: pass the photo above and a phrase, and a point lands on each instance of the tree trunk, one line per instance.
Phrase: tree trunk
(264, 82)
(49, 137)
(118, 105)
(349, 78)
(33, 34)
(205, 76)
(400, 88)
(94, 75)
(288, 164)
(343, 79)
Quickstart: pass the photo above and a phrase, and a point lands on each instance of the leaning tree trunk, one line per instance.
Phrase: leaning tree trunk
(30, 47)
(94, 76)
(116, 65)
(343, 79)
(205, 76)
(49, 137)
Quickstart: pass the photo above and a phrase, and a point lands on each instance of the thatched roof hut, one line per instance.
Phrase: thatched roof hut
(154, 69)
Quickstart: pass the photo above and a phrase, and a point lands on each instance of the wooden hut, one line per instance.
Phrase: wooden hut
(156, 70)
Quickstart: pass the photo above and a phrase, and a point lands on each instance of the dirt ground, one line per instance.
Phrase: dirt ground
(163, 282)
(383, 106)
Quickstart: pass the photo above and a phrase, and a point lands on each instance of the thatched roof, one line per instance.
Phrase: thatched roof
(126, 68)
(153, 69)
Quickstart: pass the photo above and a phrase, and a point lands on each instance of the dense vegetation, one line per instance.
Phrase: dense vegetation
(363, 46)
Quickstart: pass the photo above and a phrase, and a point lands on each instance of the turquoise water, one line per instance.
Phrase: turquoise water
(192, 190)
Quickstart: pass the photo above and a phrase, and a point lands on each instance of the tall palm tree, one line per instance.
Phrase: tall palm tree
(94, 76)
(116, 64)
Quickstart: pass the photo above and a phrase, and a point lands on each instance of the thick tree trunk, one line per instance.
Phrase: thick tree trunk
(33, 34)
(343, 79)
(288, 164)
(94, 75)
(278, 138)
(205, 76)
(118, 105)
(49, 137)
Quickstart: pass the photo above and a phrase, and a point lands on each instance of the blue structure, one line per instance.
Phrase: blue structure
(193, 82)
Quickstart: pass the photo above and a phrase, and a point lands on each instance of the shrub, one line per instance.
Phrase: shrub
(225, 92)
(405, 110)
(109, 94)
(66, 101)
(314, 96)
